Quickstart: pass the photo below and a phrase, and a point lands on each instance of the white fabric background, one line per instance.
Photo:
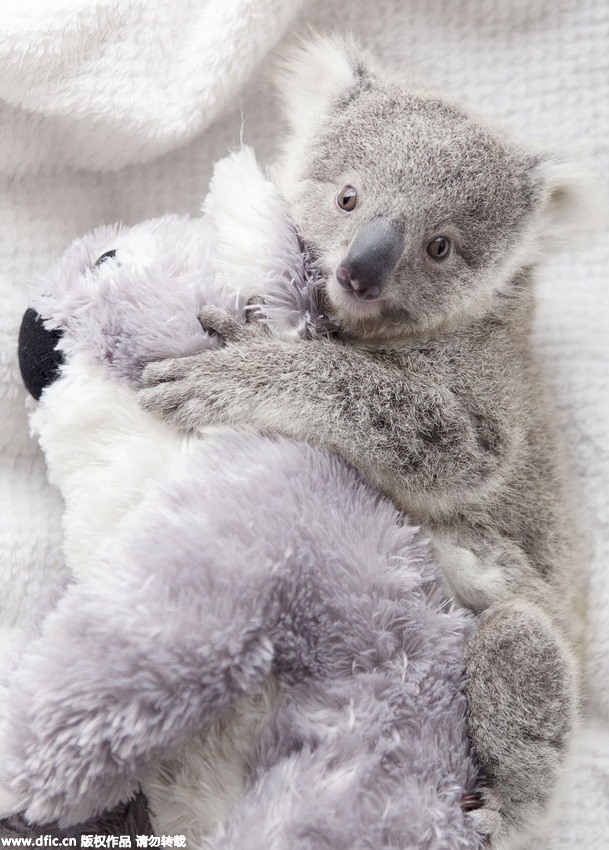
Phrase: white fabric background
(117, 109)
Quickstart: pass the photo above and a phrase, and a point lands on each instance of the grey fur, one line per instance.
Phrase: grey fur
(432, 390)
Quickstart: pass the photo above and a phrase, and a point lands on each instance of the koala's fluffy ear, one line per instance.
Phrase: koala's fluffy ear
(572, 201)
(314, 77)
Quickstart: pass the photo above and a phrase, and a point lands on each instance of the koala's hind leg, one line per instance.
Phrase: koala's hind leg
(522, 709)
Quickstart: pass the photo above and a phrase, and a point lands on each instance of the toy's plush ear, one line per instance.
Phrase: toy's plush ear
(314, 78)
(252, 223)
(571, 201)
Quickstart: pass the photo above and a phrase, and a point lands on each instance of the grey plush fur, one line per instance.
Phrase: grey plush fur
(261, 557)
(301, 571)
(431, 389)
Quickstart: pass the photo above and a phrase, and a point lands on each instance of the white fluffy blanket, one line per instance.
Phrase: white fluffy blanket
(116, 109)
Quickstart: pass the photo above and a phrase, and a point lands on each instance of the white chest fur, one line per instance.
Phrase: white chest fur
(103, 452)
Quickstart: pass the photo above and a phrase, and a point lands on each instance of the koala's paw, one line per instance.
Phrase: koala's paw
(522, 709)
(219, 322)
(484, 812)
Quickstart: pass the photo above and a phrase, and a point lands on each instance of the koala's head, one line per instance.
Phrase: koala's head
(419, 214)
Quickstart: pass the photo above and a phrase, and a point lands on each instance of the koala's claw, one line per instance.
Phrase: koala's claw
(470, 802)
(484, 811)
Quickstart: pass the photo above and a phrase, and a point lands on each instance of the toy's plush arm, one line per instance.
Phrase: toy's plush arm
(158, 641)
(401, 423)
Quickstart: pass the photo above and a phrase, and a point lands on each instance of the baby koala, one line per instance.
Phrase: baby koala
(428, 224)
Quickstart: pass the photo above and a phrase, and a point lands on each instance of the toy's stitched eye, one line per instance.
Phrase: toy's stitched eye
(439, 248)
(346, 199)
(107, 256)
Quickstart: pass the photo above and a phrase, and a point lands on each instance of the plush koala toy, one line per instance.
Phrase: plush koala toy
(253, 633)
(427, 224)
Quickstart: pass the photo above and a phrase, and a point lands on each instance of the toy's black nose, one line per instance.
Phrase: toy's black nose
(39, 359)
(372, 256)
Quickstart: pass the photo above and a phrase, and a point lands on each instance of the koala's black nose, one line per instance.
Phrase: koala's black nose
(39, 359)
(372, 256)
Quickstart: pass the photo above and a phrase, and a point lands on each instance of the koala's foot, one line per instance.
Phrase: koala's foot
(522, 708)
(486, 816)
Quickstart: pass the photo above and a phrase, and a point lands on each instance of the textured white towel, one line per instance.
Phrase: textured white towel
(98, 85)
(145, 95)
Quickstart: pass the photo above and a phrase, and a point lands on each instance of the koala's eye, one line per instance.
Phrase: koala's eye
(107, 256)
(439, 248)
(346, 199)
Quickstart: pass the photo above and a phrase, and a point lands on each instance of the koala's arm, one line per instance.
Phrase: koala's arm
(392, 414)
